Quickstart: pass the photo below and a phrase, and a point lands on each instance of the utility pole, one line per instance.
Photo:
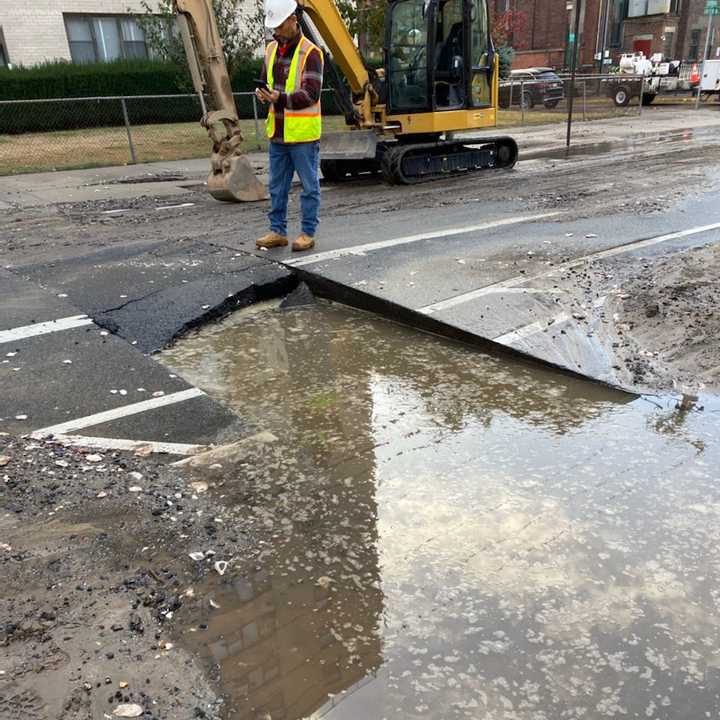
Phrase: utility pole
(712, 8)
(573, 67)
(601, 42)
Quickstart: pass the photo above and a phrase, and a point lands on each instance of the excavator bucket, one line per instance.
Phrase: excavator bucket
(236, 182)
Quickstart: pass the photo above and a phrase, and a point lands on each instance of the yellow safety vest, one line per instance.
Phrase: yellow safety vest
(299, 125)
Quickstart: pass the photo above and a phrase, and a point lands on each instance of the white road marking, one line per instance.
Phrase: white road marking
(130, 445)
(531, 329)
(117, 413)
(532, 291)
(174, 207)
(542, 325)
(520, 279)
(42, 328)
(448, 232)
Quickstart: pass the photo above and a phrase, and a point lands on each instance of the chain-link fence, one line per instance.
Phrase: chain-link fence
(546, 99)
(64, 133)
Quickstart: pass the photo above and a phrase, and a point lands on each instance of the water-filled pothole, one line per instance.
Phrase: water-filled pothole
(445, 534)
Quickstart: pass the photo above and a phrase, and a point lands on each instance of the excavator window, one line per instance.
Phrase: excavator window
(407, 56)
(450, 56)
(480, 54)
(439, 55)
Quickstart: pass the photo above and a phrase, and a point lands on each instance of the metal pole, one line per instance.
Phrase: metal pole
(257, 122)
(573, 70)
(522, 102)
(705, 54)
(133, 156)
(606, 23)
(584, 100)
(511, 93)
(642, 94)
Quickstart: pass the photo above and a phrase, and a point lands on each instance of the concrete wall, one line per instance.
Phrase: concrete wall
(552, 57)
(34, 30)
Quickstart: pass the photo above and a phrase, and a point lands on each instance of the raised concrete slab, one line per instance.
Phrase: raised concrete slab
(151, 295)
(518, 281)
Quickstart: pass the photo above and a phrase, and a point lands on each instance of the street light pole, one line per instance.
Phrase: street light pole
(573, 69)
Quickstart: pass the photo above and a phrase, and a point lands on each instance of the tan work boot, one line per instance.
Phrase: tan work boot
(271, 240)
(303, 242)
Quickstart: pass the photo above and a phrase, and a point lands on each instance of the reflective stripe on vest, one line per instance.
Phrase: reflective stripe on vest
(299, 125)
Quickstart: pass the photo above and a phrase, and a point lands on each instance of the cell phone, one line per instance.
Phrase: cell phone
(261, 84)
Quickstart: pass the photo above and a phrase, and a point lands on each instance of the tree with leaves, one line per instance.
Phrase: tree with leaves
(240, 24)
(365, 20)
(505, 30)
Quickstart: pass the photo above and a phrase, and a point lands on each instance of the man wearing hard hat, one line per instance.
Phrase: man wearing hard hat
(293, 75)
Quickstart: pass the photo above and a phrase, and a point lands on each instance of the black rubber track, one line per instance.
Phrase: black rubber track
(413, 163)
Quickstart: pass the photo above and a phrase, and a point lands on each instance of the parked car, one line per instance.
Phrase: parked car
(532, 86)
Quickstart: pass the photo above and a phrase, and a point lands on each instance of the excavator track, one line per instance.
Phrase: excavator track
(409, 164)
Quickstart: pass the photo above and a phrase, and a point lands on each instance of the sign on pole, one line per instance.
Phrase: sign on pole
(712, 7)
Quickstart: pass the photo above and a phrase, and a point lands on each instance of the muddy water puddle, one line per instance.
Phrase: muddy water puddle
(444, 534)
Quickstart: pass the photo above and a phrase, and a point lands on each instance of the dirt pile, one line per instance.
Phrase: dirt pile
(95, 559)
(671, 322)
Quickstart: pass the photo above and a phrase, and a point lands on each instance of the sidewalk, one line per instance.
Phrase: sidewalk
(166, 179)
(652, 124)
(159, 179)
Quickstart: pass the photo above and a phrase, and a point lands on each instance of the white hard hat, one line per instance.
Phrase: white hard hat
(278, 11)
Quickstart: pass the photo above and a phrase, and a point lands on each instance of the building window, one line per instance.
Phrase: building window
(694, 51)
(102, 38)
(640, 8)
(618, 13)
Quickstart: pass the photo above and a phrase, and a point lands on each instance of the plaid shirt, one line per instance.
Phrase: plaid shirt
(308, 94)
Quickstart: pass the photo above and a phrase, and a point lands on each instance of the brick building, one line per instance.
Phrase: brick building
(675, 28)
(77, 30)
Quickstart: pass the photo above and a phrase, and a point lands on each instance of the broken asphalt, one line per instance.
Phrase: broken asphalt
(103, 267)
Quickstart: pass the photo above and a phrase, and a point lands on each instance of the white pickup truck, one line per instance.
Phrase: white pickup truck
(659, 77)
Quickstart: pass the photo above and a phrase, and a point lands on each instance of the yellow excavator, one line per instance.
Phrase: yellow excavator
(409, 120)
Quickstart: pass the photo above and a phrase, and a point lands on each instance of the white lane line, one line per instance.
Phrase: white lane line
(42, 328)
(531, 329)
(520, 279)
(174, 207)
(130, 445)
(526, 331)
(381, 244)
(117, 413)
(474, 294)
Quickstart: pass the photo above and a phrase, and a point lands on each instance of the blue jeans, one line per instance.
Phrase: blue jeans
(285, 160)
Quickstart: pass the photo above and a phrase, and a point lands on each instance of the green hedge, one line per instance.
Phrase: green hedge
(126, 78)
(63, 79)
(123, 77)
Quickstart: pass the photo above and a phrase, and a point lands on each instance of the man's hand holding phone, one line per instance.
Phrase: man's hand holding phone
(264, 94)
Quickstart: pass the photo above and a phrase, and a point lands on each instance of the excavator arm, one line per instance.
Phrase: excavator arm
(414, 138)
(231, 176)
(334, 33)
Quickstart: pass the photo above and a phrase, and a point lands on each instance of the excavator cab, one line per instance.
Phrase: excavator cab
(438, 56)
(439, 82)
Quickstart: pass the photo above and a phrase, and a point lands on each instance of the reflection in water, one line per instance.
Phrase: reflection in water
(449, 535)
